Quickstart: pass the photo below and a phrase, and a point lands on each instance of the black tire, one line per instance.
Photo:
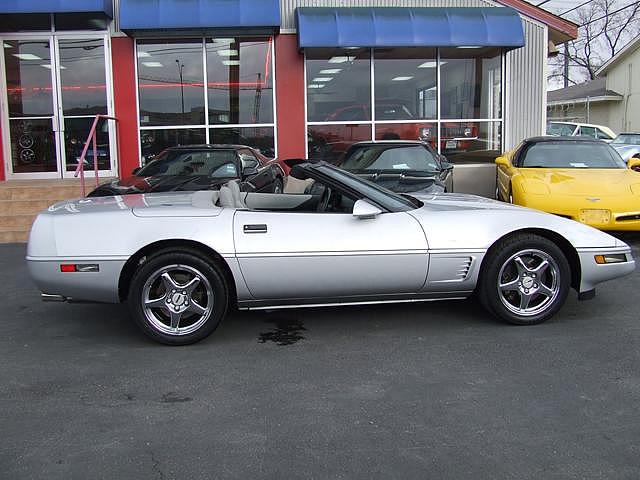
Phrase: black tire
(524, 292)
(154, 317)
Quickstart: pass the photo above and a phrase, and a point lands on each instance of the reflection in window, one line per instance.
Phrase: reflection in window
(82, 77)
(75, 136)
(338, 85)
(479, 142)
(405, 83)
(28, 71)
(471, 80)
(240, 80)
(330, 142)
(170, 82)
(260, 138)
(153, 142)
(427, 132)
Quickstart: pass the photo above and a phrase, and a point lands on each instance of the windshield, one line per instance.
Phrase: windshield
(400, 159)
(627, 139)
(209, 163)
(383, 197)
(560, 129)
(571, 155)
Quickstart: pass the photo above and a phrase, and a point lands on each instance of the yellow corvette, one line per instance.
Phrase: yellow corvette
(577, 178)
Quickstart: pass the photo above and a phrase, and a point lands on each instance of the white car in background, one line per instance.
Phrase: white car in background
(571, 129)
(627, 145)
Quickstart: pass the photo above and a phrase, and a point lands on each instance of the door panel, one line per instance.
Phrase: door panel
(312, 255)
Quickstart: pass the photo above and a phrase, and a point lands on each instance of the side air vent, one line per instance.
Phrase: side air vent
(463, 271)
(449, 268)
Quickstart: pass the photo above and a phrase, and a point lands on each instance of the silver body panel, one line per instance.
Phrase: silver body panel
(428, 253)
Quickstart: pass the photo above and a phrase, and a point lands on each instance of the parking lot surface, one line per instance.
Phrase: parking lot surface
(436, 390)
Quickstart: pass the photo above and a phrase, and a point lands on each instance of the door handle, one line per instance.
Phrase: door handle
(255, 228)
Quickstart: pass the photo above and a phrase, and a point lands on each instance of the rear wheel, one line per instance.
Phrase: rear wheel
(178, 298)
(525, 280)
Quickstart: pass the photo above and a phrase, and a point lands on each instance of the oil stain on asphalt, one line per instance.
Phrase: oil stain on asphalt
(285, 332)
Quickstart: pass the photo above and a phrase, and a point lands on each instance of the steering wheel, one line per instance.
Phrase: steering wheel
(323, 203)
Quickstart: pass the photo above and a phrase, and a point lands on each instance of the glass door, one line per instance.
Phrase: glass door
(83, 93)
(55, 88)
(32, 107)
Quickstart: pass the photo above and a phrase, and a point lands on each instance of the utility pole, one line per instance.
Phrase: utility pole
(180, 67)
(566, 65)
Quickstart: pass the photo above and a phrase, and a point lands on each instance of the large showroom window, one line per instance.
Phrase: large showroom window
(206, 90)
(450, 97)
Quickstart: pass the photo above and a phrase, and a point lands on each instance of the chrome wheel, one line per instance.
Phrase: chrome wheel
(529, 282)
(177, 299)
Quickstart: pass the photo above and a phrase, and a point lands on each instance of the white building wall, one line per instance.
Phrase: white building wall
(624, 78)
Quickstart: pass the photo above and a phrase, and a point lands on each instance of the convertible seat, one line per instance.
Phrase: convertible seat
(231, 196)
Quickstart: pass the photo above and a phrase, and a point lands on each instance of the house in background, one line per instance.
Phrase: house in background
(611, 99)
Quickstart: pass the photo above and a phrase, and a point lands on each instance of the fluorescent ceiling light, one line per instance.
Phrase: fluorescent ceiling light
(227, 52)
(315, 85)
(322, 79)
(231, 63)
(470, 46)
(401, 79)
(6, 45)
(224, 40)
(26, 56)
(143, 54)
(351, 48)
(48, 65)
(430, 64)
(341, 59)
(152, 64)
(330, 71)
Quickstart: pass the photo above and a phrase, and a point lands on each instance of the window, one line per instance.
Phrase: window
(587, 132)
(556, 154)
(405, 83)
(461, 116)
(228, 101)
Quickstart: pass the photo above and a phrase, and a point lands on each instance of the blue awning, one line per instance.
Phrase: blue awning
(409, 27)
(198, 14)
(57, 6)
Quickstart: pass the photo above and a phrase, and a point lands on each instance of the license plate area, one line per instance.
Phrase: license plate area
(595, 216)
(450, 144)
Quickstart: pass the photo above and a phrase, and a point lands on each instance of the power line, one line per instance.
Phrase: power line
(609, 14)
(575, 8)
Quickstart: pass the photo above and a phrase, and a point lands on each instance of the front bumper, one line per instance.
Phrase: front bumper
(593, 273)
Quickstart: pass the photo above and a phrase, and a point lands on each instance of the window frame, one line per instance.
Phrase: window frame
(207, 126)
(438, 121)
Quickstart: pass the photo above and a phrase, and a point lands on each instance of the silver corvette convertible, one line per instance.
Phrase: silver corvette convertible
(182, 260)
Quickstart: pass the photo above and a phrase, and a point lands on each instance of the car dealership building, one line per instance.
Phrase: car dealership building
(293, 78)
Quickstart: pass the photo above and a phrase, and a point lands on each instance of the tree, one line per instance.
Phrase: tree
(606, 26)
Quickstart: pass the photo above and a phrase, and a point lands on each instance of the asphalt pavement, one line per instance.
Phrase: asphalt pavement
(425, 391)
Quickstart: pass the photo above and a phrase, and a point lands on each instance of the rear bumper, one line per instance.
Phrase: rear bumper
(101, 286)
(593, 273)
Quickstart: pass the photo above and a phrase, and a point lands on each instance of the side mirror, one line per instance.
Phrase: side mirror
(502, 162)
(446, 165)
(634, 163)
(135, 170)
(364, 210)
(249, 171)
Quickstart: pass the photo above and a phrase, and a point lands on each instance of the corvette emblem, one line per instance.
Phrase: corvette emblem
(593, 199)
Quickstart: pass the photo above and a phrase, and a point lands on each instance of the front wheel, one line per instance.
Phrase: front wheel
(525, 280)
(178, 298)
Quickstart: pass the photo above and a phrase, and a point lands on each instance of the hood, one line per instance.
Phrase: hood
(159, 183)
(462, 202)
(603, 182)
(405, 182)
